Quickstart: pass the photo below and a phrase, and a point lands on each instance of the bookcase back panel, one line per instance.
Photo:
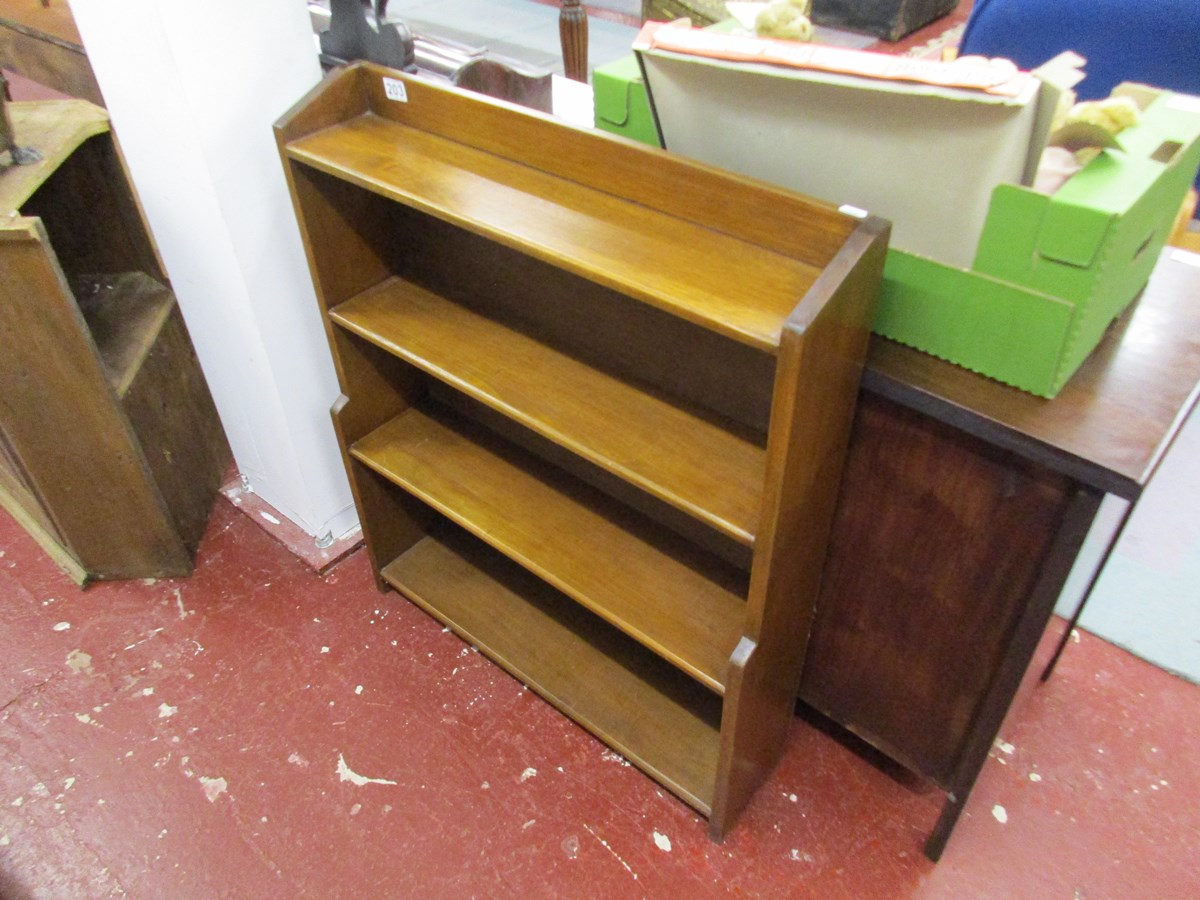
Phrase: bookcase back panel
(603, 327)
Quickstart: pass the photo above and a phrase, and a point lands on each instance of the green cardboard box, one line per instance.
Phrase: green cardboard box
(981, 271)
(621, 103)
(1051, 272)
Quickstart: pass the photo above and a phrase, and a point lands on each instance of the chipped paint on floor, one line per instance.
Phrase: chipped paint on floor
(345, 773)
(271, 776)
(213, 787)
(607, 846)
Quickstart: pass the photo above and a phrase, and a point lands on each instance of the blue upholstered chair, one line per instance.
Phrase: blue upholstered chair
(1151, 41)
(1154, 42)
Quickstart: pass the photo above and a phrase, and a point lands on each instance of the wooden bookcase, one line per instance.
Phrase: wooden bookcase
(595, 401)
(111, 451)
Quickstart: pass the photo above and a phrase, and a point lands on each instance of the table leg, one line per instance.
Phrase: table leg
(1027, 633)
(573, 31)
(1108, 550)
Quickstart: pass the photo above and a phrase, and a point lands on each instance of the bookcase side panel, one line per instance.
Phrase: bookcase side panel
(820, 365)
(60, 412)
(379, 387)
(349, 243)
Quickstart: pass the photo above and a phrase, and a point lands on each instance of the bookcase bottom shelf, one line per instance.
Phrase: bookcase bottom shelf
(655, 716)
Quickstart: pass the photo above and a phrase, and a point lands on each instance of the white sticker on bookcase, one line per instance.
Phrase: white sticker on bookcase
(394, 89)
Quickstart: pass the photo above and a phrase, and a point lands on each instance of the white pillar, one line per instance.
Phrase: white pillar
(193, 89)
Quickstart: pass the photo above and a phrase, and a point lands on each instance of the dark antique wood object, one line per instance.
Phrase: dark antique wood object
(110, 448)
(595, 404)
(39, 40)
(360, 30)
(573, 33)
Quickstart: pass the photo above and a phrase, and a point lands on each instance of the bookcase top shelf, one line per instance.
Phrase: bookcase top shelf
(735, 277)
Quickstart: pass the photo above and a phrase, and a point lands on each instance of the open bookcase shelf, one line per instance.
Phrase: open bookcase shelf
(651, 713)
(633, 248)
(124, 314)
(711, 469)
(535, 515)
(595, 400)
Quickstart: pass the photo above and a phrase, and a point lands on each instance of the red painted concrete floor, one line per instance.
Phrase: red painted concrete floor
(259, 730)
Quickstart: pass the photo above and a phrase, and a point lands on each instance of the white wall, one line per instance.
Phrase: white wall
(193, 89)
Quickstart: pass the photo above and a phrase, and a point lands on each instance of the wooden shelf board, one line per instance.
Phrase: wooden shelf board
(125, 314)
(681, 603)
(653, 715)
(731, 286)
(694, 464)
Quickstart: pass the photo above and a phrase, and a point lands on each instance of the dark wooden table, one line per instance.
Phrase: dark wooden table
(963, 508)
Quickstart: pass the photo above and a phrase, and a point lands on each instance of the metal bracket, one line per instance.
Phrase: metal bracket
(21, 156)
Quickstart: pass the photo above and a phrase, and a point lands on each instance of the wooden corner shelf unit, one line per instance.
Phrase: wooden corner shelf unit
(595, 401)
(111, 451)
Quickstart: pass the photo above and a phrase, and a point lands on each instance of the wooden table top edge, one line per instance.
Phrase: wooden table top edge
(1115, 418)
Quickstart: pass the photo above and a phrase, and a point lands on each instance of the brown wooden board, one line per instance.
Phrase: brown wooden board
(79, 454)
(571, 225)
(937, 542)
(40, 41)
(169, 407)
(820, 364)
